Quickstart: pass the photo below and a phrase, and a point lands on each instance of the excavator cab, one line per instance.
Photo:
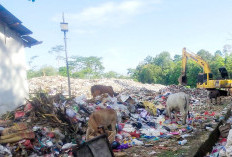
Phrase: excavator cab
(223, 73)
(202, 77)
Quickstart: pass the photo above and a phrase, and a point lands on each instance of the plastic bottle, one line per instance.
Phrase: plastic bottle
(182, 142)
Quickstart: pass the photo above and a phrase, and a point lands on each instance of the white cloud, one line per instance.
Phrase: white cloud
(108, 14)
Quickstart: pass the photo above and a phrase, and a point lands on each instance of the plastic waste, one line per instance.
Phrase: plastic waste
(168, 121)
(80, 100)
(58, 133)
(128, 128)
(4, 151)
(137, 142)
(28, 107)
(160, 120)
(70, 112)
(35, 128)
(19, 114)
(150, 132)
(67, 146)
(209, 128)
(124, 97)
(182, 142)
(49, 143)
(123, 146)
(167, 128)
(115, 144)
(185, 135)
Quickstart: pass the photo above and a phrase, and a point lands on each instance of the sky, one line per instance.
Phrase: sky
(124, 32)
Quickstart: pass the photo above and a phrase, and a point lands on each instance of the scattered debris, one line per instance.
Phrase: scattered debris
(56, 125)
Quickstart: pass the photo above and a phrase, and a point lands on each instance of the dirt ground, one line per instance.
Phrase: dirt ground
(170, 147)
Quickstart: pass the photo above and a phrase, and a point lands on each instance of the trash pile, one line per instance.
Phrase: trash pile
(54, 125)
(44, 125)
(224, 145)
(58, 84)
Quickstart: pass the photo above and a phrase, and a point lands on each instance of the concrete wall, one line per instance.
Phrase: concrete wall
(13, 80)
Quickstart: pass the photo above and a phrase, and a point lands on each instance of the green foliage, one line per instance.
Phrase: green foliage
(150, 73)
(177, 58)
(228, 64)
(111, 74)
(205, 55)
(63, 71)
(165, 70)
(47, 71)
(44, 71)
(32, 73)
(217, 62)
(86, 67)
(160, 69)
(192, 72)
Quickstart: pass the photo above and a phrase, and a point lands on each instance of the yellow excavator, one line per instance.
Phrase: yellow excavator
(205, 79)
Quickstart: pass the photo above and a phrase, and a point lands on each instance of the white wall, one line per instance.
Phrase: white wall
(13, 80)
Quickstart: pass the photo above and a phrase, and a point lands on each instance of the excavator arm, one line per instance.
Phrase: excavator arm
(205, 80)
(197, 59)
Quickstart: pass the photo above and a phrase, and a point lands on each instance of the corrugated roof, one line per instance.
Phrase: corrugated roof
(29, 41)
(15, 24)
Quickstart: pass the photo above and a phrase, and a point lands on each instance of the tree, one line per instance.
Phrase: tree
(111, 74)
(31, 61)
(56, 51)
(228, 65)
(86, 67)
(193, 69)
(63, 71)
(217, 62)
(163, 60)
(32, 73)
(175, 73)
(150, 73)
(149, 60)
(47, 71)
(218, 52)
(205, 55)
(227, 49)
(177, 58)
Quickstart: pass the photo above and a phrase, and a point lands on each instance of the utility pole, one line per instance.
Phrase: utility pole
(64, 28)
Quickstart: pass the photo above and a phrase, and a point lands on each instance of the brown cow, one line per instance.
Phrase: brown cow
(217, 94)
(102, 118)
(101, 89)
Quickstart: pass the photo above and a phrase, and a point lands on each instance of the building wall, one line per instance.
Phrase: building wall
(13, 79)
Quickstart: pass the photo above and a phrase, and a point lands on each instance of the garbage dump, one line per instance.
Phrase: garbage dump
(222, 137)
(58, 84)
(54, 125)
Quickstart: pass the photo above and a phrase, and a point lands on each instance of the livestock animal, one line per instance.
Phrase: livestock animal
(101, 89)
(217, 93)
(178, 102)
(106, 118)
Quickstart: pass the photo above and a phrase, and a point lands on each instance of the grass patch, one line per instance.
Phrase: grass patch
(177, 153)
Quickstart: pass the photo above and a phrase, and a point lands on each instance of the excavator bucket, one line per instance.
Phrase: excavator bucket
(182, 80)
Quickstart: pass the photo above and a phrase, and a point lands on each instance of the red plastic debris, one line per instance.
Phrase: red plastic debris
(206, 113)
(134, 134)
(223, 140)
(19, 114)
(28, 107)
(28, 144)
(212, 114)
(51, 135)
